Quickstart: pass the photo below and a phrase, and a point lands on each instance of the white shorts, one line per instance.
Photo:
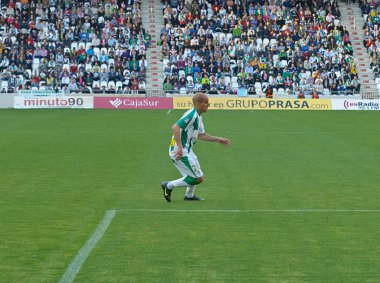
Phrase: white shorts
(188, 165)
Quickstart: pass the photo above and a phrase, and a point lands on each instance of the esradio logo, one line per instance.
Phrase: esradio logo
(347, 104)
(361, 105)
(116, 102)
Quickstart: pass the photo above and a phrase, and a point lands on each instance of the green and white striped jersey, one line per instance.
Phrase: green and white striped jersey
(191, 125)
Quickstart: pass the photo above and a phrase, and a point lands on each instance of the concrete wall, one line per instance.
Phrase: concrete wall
(6, 100)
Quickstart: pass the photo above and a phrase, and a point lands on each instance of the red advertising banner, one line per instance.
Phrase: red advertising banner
(122, 102)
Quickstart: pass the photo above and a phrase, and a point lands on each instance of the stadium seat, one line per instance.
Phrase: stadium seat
(95, 84)
(66, 67)
(36, 67)
(258, 87)
(29, 71)
(281, 92)
(234, 85)
(164, 62)
(88, 66)
(81, 44)
(283, 63)
(74, 45)
(4, 85)
(103, 84)
(228, 36)
(181, 72)
(118, 84)
(182, 90)
(232, 64)
(96, 51)
(88, 45)
(111, 84)
(273, 42)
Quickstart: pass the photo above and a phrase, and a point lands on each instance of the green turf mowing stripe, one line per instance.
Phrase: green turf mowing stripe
(75, 265)
(249, 210)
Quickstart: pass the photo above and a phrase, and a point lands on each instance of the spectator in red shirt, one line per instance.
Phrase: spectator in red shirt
(73, 68)
(315, 95)
(35, 79)
(301, 95)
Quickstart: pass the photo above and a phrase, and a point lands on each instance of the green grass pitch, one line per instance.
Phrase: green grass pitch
(296, 198)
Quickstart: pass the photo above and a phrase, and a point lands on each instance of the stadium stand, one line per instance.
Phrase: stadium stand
(210, 45)
(86, 46)
(370, 12)
(291, 46)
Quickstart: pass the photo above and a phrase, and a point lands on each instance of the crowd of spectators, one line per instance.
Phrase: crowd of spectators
(283, 46)
(72, 46)
(371, 40)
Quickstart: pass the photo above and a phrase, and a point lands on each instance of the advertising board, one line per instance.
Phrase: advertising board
(123, 102)
(355, 104)
(85, 102)
(237, 103)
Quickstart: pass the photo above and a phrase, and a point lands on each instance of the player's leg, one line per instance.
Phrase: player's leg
(190, 195)
(184, 181)
(190, 170)
(191, 173)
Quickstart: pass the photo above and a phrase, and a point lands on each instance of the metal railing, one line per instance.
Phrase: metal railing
(164, 93)
(370, 95)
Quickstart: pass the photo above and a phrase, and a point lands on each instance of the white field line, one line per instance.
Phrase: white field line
(249, 210)
(169, 111)
(75, 265)
(315, 132)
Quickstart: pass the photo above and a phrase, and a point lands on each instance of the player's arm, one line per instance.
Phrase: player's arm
(177, 138)
(207, 137)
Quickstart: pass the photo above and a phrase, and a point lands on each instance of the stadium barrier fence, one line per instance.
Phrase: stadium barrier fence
(185, 102)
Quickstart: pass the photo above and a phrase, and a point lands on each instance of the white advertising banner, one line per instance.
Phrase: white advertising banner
(355, 104)
(84, 102)
(39, 92)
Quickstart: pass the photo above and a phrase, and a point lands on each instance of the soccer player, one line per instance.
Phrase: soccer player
(185, 133)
